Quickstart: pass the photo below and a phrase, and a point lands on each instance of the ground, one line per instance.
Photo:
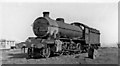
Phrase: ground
(106, 56)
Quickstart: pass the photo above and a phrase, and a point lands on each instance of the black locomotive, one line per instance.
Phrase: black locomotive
(56, 36)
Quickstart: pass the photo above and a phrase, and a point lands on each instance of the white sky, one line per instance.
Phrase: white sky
(17, 17)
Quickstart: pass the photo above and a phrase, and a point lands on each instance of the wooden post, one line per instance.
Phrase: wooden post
(23, 47)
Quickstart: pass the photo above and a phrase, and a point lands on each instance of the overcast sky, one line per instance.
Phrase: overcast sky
(16, 18)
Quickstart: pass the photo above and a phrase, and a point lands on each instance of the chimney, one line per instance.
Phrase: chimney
(45, 14)
(60, 19)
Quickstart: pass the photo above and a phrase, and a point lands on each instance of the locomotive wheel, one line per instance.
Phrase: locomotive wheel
(46, 52)
(29, 55)
(79, 48)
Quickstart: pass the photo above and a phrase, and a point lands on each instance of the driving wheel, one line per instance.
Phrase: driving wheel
(46, 52)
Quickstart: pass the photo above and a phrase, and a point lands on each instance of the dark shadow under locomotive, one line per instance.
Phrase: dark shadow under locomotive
(56, 36)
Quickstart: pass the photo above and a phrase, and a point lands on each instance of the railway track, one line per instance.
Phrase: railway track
(107, 56)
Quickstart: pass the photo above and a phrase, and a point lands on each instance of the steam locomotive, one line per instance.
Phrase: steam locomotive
(58, 37)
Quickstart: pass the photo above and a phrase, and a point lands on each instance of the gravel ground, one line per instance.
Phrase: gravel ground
(106, 56)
